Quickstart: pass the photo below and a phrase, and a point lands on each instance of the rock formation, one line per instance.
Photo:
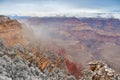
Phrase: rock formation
(14, 66)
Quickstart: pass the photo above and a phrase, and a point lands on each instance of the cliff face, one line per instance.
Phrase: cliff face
(83, 39)
(77, 41)
(17, 64)
(10, 31)
(19, 43)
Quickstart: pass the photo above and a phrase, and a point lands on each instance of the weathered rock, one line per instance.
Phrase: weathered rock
(18, 68)
(19, 47)
(99, 71)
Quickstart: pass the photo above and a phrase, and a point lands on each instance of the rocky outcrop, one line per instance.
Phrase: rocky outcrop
(14, 65)
(99, 70)
(10, 31)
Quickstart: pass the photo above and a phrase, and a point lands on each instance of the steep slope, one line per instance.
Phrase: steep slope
(22, 41)
(15, 66)
(83, 39)
(10, 31)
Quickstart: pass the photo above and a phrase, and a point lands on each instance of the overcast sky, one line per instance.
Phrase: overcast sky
(78, 8)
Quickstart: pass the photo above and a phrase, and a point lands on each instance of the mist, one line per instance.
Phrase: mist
(74, 39)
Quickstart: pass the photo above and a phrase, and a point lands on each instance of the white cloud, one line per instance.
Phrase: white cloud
(53, 10)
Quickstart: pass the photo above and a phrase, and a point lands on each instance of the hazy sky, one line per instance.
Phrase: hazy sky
(78, 8)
